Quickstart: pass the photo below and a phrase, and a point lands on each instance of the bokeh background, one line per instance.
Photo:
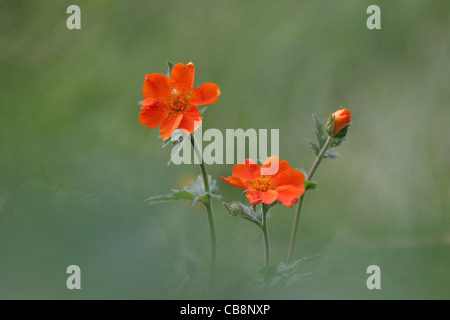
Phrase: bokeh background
(76, 165)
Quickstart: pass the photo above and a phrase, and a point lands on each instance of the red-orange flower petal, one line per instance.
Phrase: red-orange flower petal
(191, 119)
(183, 77)
(267, 197)
(288, 194)
(152, 114)
(207, 93)
(158, 87)
(253, 196)
(169, 124)
(235, 182)
(246, 171)
(282, 166)
(341, 119)
(289, 177)
(148, 101)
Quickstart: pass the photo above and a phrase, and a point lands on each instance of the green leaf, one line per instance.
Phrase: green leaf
(195, 192)
(213, 188)
(319, 126)
(175, 195)
(293, 266)
(343, 132)
(329, 127)
(314, 147)
(283, 275)
(319, 132)
(197, 188)
(310, 185)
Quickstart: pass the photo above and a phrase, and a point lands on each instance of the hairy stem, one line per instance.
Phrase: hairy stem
(265, 231)
(210, 211)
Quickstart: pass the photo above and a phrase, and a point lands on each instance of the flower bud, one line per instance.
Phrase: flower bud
(233, 208)
(338, 123)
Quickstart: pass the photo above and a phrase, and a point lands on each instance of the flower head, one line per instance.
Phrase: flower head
(284, 185)
(338, 123)
(341, 119)
(171, 103)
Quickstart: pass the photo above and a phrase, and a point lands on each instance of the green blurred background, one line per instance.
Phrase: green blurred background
(76, 165)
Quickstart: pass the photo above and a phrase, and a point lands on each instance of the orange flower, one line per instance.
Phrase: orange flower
(285, 186)
(171, 103)
(341, 119)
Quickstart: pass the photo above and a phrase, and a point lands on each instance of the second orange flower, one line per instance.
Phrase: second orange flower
(285, 185)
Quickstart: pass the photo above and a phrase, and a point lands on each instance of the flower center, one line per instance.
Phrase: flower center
(178, 102)
(262, 183)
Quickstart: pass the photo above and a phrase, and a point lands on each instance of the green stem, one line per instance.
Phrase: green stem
(265, 232)
(319, 158)
(300, 201)
(210, 211)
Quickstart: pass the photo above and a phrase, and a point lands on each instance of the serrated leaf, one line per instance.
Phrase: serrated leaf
(320, 140)
(293, 266)
(198, 189)
(195, 192)
(213, 187)
(250, 214)
(175, 195)
(319, 126)
(282, 275)
(314, 147)
(319, 132)
(310, 185)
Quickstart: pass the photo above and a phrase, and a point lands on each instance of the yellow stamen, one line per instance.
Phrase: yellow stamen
(178, 102)
(262, 183)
